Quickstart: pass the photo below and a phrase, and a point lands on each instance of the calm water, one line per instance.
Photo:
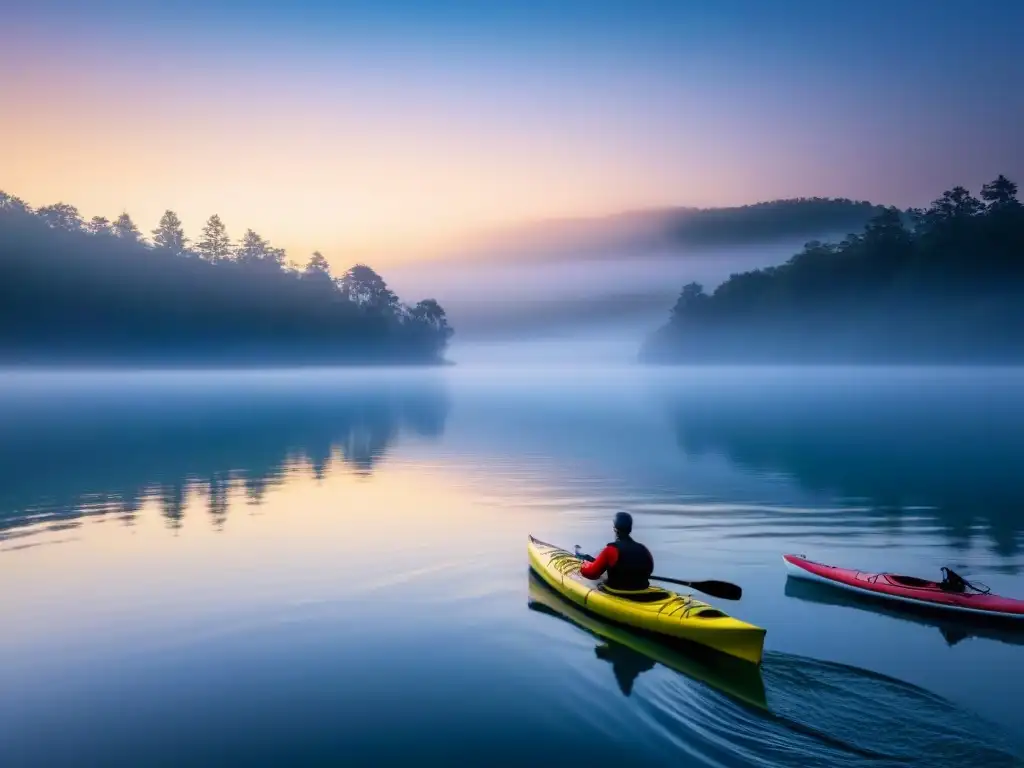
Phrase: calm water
(330, 567)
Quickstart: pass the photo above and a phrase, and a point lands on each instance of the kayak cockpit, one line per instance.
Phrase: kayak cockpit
(652, 595)
(911, 581)
(952, 582)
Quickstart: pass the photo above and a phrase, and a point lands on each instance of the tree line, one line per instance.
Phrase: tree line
(771, 220)
(99, 291)
(939, 284)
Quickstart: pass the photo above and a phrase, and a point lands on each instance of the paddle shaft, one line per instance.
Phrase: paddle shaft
(674, 581)
(721, 589)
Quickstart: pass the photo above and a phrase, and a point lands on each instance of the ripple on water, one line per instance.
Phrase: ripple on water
(875, 713)
(795, 710)
(819, 713)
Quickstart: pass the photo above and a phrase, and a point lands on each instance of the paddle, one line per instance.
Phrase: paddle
(723, 590)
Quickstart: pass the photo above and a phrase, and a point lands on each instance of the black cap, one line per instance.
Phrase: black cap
(623, 522)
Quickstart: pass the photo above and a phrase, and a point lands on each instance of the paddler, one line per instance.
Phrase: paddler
(628, 563)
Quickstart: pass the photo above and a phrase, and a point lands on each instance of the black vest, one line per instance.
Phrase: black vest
(633, 566)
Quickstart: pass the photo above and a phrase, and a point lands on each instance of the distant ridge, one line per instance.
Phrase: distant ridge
(940, 285)
(675, 229)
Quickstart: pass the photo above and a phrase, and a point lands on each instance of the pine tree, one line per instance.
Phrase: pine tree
(362, 285)
(61, 216)
(1000, 194)
(251, 249)
(170, 234)
(317, 267)
(99, 225)
(125, 228)
(13, 203)
(214, 245)
(254, 251)
(276, 257)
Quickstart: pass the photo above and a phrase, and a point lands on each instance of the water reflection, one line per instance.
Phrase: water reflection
(69, 450)
(954, 629)
(944, 445)
(632, 653)
(798, 710)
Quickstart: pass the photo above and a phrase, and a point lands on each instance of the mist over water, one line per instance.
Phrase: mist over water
(581, 307)
(297, 565)
(314, 314)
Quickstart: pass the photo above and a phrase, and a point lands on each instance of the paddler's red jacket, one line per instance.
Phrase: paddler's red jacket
(608, 557)
(629, 564)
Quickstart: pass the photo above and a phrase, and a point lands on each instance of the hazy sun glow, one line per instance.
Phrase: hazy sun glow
(388, 136)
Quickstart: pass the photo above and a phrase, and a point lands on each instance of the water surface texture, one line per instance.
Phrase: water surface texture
(329, 567)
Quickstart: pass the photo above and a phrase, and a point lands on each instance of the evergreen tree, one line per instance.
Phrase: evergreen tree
(169, 234)
(317, 264)
(1000, 194)
(251, 249)
(61, 216)
(99, 225)
(275, 258)
(125, 228)
(367, 289)
(317, 269)
(12, 203)
(214, 245)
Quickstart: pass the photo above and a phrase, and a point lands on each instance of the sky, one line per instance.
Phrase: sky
(386, 131)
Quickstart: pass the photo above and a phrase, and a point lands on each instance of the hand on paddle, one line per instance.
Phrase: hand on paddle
(581, 556)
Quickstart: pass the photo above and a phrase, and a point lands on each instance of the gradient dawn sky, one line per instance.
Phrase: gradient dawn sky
(385, 128)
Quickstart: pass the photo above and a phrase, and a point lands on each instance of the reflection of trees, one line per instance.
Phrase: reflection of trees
(172, 503)
(70, 456)
(127, 508)
(218, 498)
(951, 446)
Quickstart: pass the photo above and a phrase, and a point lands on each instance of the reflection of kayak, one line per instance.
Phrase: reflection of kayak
(905, 589)
(954, 627)
(654, 609)
(632, 652)
(835, 705)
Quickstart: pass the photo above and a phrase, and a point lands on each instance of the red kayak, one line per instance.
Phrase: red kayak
(953, 593)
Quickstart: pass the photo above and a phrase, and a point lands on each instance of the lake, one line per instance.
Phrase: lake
(329, 567)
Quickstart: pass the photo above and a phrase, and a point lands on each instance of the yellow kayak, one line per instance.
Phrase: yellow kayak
(654, 610)
(728, 675)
